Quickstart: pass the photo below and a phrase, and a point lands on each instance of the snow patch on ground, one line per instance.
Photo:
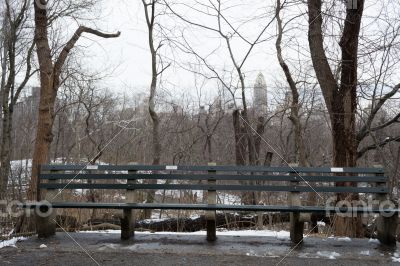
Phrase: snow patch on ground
(253, 253)
(365, 253)
(154, 220)
(308, 256)
(344, 239)
(373, 240)
(396, 257)
(328, 254)
(11, 242)
(194, 216)
(281, 235)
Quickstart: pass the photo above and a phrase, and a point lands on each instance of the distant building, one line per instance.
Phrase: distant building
(260, 98)
(28, 105)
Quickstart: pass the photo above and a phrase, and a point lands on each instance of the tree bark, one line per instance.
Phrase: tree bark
(49, 84)
(340, 99)
(5, 155)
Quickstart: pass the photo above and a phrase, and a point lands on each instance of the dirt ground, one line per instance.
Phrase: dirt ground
(176, 249)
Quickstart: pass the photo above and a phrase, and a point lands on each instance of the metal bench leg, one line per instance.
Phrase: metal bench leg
(386, 227)
(128, 217)
(211, 215)
(45, 223)
(296, 224)
(127, 224)
(211, 229)
(296, 227)
(45, 217)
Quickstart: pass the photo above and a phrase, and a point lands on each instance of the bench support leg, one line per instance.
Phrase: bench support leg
(211, 227)
(386, 226)
(45, 223)
(296, 221)
(45, 216)
(296, 228)
(211, 199)
(387, 229)
(127, 224)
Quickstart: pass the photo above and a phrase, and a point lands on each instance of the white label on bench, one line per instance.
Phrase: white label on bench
(171, 167)
(336, 170)
(92, 167)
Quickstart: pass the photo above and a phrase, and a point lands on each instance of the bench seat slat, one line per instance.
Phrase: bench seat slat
(171, 206)
(217, 187)
(215, 168)
(218, 177)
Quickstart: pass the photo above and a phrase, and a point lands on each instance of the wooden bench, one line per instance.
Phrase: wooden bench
(54, 180)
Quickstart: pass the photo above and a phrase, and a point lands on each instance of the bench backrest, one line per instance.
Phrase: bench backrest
(251, 178)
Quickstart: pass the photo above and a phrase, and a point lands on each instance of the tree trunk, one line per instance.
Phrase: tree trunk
(295, 104)
(240, 134)
(44, 135)
(49, 84)
(5, 154)
(340, 100)
(258, 138)
(153, 90)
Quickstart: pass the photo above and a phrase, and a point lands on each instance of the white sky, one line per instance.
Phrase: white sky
(126, 60)
(129, 56)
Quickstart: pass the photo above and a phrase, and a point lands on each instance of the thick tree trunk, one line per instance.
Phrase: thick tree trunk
(5, 154)
(44, 138)
(44, 135)
(49, 81)
(348, 96)
(340, 100)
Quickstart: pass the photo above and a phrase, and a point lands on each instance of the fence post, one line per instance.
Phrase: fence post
(45, 216)
(211, 200)
(386, 225)
(296, 224)
(128, 217)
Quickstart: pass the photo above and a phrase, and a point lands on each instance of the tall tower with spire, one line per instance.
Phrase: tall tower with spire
(260, 95)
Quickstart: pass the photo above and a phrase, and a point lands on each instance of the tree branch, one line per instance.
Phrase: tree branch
(388, 140)
(71, 43)
(320, 62)
(364, 131)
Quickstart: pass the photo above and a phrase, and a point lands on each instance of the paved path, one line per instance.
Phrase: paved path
(171, 249)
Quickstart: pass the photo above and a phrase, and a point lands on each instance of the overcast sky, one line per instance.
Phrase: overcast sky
(129, 58)
(126, 60)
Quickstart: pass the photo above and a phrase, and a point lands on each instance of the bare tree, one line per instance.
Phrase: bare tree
(17, 60)
(295, 104)
(50, 71)
(157, 68)
(341, 96)
(214, 10)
